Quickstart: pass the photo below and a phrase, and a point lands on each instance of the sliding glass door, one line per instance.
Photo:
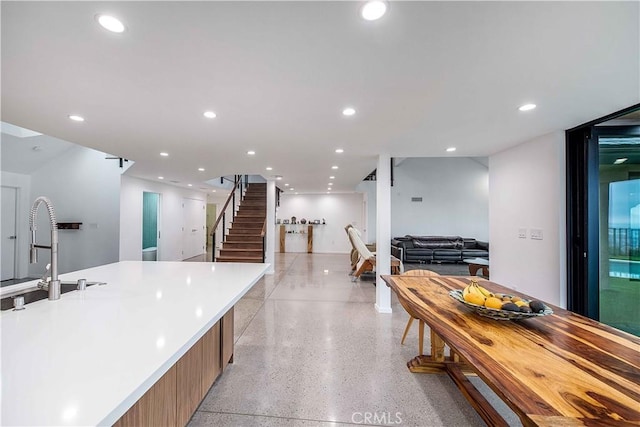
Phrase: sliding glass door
(619, 229)
(603, 220)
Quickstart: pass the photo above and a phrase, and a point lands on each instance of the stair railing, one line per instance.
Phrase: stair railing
(237, 185)
(262, 234)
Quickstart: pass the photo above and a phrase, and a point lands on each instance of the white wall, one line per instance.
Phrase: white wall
(455, 198)
(527, 185)
(337, 209)
(170, 222)
(22, 184)
(82, 186)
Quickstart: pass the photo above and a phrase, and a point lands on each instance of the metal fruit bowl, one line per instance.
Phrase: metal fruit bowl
(498, 314)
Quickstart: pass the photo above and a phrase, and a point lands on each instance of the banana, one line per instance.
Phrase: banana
(465, 291)
(483, 291)
(474, 290)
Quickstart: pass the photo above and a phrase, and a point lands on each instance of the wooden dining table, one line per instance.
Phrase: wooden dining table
(561, 369)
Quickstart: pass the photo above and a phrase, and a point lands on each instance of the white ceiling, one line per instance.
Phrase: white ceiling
(427, 76)
(27, 155)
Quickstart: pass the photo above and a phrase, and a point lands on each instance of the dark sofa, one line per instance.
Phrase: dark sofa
(428, 249)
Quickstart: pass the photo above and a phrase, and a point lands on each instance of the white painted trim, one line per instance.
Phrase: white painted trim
(383, 310)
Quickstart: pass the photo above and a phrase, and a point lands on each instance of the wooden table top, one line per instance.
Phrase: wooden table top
(561, 369)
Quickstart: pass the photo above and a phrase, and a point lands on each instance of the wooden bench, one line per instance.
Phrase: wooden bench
(558, 370)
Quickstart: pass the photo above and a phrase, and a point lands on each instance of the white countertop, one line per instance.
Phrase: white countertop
(88, 357)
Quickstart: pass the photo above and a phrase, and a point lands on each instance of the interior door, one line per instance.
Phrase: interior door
(8, 233)
(193, 230)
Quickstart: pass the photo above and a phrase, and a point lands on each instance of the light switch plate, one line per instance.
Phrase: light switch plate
(536, 234)
(522, 233)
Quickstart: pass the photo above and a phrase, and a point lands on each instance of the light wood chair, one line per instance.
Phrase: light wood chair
(367, 259)
(412, 316)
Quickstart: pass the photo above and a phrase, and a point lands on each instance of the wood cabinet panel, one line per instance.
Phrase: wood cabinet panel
(211, 366)
(226, 329)
(157, 407)
(173, 399)
(189, 383)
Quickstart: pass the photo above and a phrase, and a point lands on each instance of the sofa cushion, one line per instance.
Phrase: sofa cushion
(419, 252)
(435, 242)
(475, 253)
(447, 255)
(469, 243)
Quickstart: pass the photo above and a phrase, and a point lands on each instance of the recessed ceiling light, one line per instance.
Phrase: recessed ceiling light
(292, 189)
(527, 107)
(269, 168)
(213, 191)
(189, 185)
(328, 192)
(451, 149)
(332, 177)
(329, 188)
(201, 169)
(296, 192)
(161, 177)
(348, 111)
(334, 167)
(163, 154)
(331, 183)
(620, 161)
(210, 114)
(339, 150)
(373, 10)
(286, 185)
(110, 23)
(251, 152)
(76, 118)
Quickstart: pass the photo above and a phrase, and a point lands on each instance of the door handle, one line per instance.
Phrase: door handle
(13, 237)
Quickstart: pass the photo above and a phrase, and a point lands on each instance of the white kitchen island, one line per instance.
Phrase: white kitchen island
(88, 357)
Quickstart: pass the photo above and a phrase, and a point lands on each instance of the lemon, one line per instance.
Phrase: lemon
(493, 302)
(473, 298)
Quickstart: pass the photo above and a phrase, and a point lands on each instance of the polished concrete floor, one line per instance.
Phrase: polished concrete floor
(312, 351)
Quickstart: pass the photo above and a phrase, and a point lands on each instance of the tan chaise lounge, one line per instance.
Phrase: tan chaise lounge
(366, 258)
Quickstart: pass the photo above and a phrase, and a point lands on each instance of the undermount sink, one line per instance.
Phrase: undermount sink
(33, 295)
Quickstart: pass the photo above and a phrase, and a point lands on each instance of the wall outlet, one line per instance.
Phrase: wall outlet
(536, 234)
(522, 233)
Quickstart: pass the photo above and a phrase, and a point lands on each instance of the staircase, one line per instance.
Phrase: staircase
(244, 242)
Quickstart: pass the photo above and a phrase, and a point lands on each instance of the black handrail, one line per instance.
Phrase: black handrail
(263, 234)
(222, 217)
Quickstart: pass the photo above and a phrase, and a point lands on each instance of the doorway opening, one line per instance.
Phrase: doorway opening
(150, 228)
(9, 207)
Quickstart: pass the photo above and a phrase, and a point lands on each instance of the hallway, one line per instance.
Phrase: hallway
(311, 350)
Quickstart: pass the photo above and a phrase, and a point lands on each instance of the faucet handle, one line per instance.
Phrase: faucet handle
(45, 276)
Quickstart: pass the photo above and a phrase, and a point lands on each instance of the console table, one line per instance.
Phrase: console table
(558, 370)
(283, 234)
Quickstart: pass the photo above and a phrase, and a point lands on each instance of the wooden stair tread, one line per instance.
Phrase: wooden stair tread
(223, 258)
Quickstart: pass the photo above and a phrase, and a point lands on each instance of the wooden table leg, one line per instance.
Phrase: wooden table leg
(433, 363)
(437, 347)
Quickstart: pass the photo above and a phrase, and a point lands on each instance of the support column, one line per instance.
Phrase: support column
(270, 237)
(383, 232)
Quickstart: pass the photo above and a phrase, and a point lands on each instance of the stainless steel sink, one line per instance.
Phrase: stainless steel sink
(33, 294)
